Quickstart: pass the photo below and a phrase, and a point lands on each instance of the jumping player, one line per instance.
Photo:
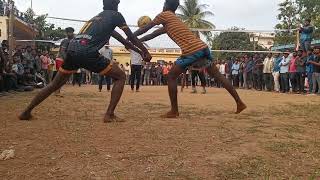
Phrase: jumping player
(83, 53)
(194, 52)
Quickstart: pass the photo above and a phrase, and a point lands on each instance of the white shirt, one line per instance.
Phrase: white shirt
(284, 65)
(268, 65)
(222, 69)
(107, 53)
(136, 58)
(127, 70)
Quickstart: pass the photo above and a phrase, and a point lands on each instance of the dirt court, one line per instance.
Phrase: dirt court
(276, 138)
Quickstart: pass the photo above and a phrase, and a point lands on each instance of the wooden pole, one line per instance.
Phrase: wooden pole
(11, 29)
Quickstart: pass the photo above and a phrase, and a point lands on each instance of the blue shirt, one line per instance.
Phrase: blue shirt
(235, 69)
(276, 66)
(309, 67)
(249, 66)
(306, 33)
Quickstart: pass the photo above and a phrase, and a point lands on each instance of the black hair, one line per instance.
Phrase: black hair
(172, 4)
(308, 20)
(110, 4)
(69, 29)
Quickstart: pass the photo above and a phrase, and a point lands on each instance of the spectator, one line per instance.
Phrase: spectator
(195, 73)
(44, 65)
(107, 53)
(306, 35)
(136, 68)
(257, 72)
(77, 78)
(247, 74)
(165, 72)
(30, 60)
(127, 70)
(267, 71)
(276, 72)
(147, 73)
(235, 73)
(158, 70)
(316, 72)
(241, 71)
(309, 69)
(284, 72)
(301, 71)
(293, 72)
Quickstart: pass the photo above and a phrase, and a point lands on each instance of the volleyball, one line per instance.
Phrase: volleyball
(143, 21)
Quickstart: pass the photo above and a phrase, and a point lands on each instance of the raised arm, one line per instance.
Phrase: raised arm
(126, 43)
(153, 35)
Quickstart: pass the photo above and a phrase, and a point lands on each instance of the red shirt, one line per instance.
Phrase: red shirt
(59, 63)
(293, 67)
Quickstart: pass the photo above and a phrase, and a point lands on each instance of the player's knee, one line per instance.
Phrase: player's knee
(122, 76)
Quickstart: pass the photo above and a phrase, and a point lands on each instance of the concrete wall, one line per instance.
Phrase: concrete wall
(3, 28)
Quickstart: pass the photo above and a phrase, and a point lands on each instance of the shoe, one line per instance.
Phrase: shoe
(194, 91)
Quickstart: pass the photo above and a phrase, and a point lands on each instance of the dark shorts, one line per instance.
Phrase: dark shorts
(96, 63)
(203, 56)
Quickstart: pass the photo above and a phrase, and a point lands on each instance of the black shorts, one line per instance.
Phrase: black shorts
(95, 63)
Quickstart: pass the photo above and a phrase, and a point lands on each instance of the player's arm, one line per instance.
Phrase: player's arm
(126, 43)
(144, 29)
(135, 41)
(154, 34)
(315, 63)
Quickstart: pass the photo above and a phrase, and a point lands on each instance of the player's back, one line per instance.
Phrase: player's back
(96, 32)
(180, 33)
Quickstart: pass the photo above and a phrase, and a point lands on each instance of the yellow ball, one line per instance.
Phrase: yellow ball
(143, 21)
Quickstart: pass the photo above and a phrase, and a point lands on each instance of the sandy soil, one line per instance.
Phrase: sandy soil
(276, 138)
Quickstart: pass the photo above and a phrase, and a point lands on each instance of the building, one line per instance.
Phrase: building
(265, 40)
(22, 31)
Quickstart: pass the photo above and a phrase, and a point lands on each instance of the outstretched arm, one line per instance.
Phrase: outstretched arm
(153, 35)
(126, 43)
(144, 29)
(146, 55)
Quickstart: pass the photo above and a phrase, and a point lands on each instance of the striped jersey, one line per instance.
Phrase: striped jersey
(180, 33)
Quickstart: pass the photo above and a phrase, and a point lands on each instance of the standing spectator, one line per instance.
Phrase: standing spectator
(309, 69)
(306, 35)
(44, 65)
(218, 67)
(301, 71)
(235, 73)
(136, 68)
(127, 71)
(198, 72)
(107, 53)
(267, 71)
(159, 74)
(165, 72)
(241, 71)
(30, 60)
(284, 72)
(147, 73)
(77, 78)
(316, 71)
(248, 67)
(51, 67)
(257, 72)
(293, 72)
(276, 72)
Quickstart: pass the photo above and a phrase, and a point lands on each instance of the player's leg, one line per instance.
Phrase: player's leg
(173, 91)
(214, 72)
(119, 78)
(57, 83)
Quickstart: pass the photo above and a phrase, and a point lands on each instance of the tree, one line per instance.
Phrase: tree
(233, 41)
(46, 31)
(193, 14)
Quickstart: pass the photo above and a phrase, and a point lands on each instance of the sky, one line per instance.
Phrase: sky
(249, 14)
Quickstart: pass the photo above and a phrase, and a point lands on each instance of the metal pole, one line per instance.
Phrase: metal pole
(31, 4)
(11, 29)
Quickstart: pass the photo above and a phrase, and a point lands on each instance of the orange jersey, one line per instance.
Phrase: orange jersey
(180, 33)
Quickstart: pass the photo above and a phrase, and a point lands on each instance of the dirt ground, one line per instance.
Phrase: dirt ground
(276, 138)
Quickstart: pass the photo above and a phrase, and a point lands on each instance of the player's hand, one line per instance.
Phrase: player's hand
(147, 57)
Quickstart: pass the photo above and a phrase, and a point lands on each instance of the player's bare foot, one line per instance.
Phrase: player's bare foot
(112, 118)
(171, 115)
(241, 107)
(25, 116)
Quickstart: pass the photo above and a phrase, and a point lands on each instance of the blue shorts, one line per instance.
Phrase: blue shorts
(185, 61)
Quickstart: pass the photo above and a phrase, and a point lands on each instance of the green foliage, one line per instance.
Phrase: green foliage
(193, 14)
(292, 15)
(46, 31)
(233, 41)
